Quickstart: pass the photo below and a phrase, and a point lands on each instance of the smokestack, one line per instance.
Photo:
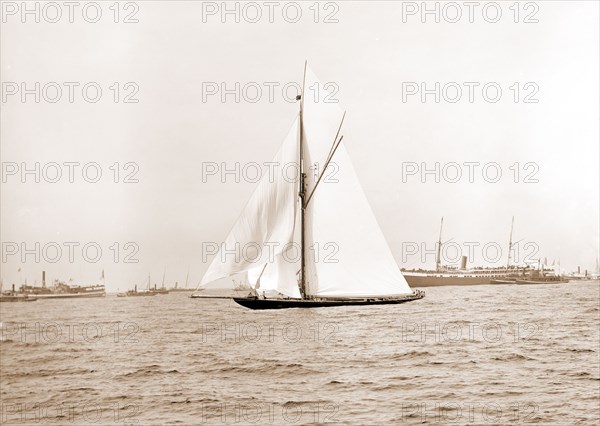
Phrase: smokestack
(43, 279)
(13, 286)
(579, 269)
(463, 263)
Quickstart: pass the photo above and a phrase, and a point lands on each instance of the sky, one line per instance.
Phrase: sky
(162, 210)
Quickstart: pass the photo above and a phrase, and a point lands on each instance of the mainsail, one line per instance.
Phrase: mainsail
(346, 254)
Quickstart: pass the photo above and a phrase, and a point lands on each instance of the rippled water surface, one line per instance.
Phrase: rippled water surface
(482, 355)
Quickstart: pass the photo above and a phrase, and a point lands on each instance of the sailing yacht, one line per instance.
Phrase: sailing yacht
(136, 293)
(302, 215)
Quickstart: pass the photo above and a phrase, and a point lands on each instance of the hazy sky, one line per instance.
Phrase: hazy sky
(370, 54)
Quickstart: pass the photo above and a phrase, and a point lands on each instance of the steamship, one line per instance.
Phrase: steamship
(510, 274)
(61, 290)
(478, 276)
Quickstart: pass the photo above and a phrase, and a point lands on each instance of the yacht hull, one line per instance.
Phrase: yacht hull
(256, 303)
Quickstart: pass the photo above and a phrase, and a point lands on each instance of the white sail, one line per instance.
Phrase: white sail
(280, 276)
(266, 226)
(345, 251)
(347, 254)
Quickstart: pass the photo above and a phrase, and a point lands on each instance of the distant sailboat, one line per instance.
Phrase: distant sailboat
(304, 216)
(136, 293)
(185, 288)
(162, 289)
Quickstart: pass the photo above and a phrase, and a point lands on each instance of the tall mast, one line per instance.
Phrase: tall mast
(438, 260)
(302, 194)
(512, 223)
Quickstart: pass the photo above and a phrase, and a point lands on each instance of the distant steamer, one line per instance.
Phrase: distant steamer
(479, 276)
(61, 290)
(443, 275)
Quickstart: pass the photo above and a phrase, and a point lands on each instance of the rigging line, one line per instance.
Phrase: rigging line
(329, 156)
(324, 168)
(335, 139)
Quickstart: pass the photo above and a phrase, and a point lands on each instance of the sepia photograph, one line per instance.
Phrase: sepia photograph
(300, 212)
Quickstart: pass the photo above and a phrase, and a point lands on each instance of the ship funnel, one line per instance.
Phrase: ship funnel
(43, 279)
(463, 263)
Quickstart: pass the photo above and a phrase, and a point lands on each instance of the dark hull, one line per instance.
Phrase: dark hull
(255, 303)
(435, 281)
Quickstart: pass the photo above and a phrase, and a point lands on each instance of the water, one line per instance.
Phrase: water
(481, 355)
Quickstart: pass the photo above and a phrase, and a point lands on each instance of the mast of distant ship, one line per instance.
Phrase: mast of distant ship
(512, 223)
(301, 193)
(438, 262)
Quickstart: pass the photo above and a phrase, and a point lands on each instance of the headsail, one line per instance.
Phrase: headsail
(282, 274)
(266, 226)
